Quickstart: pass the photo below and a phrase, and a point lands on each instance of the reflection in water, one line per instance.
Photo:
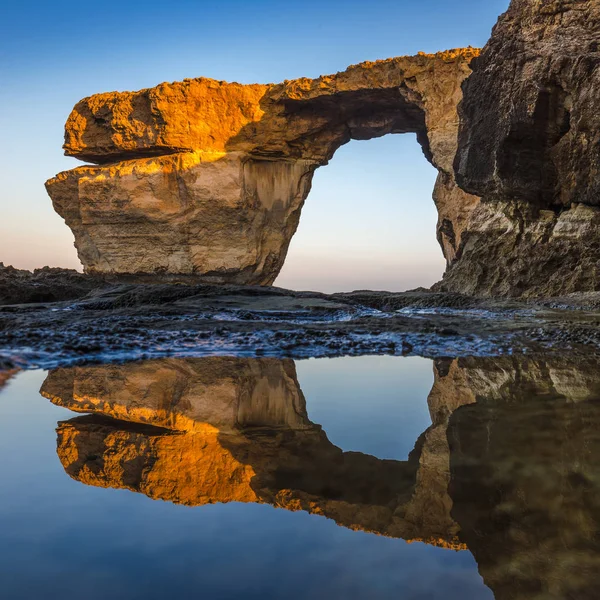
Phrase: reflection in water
(507, 468)
(525, 477)
(237, 430)
(6, 375)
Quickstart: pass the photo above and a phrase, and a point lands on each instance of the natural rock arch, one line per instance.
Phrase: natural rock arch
(205, 178)
(208, 179)
(368, 221)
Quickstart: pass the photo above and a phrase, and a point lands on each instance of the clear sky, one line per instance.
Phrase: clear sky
(369, 221)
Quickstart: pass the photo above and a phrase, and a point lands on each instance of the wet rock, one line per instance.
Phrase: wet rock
(125, 322)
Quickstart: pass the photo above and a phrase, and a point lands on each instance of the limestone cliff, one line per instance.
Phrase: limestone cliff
(207, 178)
(529, 145)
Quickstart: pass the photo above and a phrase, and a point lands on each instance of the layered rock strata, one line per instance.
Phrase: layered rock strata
(529, 146)
(207, 179)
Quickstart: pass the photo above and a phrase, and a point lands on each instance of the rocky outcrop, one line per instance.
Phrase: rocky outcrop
(207, 179)
(531, 103)
(18, 286)
(529, 145)
(516, 249)
(200, 431)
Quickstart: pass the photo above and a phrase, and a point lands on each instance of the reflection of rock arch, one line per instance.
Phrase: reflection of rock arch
(199, 431)
(509, 468)
(208, 178)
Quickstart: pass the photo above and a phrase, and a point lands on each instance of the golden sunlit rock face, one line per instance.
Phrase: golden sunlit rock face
(207, 179)
(200, 431)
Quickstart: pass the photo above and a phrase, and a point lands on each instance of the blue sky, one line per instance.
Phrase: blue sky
(369, 221)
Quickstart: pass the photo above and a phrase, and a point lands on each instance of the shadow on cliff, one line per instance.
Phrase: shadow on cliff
(313, 128)
(297, 136)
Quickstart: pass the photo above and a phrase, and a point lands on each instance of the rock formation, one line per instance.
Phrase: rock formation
(18, 286)
(200, 431)
(207, 179)
(529, 145)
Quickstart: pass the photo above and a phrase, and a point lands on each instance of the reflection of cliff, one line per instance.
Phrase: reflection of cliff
(5, 376)
(507, 468)
(220, 394)
(210, 430)
(525, 480)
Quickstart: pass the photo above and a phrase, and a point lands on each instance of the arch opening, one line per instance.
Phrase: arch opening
(386, 426)
(369, 221)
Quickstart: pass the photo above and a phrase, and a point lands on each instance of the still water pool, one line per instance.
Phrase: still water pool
(369, 477)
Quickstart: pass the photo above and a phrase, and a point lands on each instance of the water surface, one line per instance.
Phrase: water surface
(370, 477)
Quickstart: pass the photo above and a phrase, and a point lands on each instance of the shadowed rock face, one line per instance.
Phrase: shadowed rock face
(208, 179)
(532, 105)
(211, 430)
(529, 145)
(49, 284)
(524, 476)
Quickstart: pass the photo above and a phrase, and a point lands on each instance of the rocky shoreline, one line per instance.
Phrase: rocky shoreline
(106, 321)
